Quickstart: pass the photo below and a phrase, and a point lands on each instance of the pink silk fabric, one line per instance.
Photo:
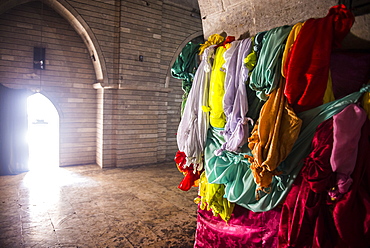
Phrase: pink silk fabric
(244, 229)
(347, 130)
(352, 212)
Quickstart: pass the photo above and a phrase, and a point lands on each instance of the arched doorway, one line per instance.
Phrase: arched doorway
(43, 133)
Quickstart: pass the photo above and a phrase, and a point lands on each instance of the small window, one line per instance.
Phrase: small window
(39, 58)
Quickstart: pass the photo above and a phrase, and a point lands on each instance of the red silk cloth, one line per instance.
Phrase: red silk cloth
(309, 218)
(308, 61)
(191, 176)
(305, 219)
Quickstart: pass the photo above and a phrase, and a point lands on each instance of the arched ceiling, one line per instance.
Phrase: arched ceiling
(193, 4)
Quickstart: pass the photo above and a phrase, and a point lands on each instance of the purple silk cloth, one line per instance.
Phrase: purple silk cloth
(235, 99)
(349, 71)
(352, 212)
(306, 220)
(347, 130)
(244, 229)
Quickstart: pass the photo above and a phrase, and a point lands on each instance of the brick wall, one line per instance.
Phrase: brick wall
(145, 112)
(128, 121)
(67, 80)
(102, 17)
(177, 25)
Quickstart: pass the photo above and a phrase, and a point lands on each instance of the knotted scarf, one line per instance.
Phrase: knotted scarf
(266, 75)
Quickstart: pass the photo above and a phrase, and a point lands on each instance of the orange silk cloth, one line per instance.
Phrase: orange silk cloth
(288, 46)
(272, 137)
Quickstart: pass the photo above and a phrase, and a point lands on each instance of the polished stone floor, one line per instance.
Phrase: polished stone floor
(85, 206)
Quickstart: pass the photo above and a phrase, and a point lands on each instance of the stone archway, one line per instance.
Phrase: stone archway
(177, 52)
(77, 22)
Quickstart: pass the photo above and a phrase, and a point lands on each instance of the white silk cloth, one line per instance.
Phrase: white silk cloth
(192, 130)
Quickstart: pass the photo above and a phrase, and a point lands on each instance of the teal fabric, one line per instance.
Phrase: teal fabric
(185, 67)
(233, 170)
(267, 73)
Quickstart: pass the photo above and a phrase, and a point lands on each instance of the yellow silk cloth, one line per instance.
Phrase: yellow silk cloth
(329, 94)
(251, 60)
(289, 44)
(212, 198)
(217, 116)
(214, 39)
(272, 137)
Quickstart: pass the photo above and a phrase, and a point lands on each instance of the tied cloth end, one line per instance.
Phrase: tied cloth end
(206, 109)
(260, 189)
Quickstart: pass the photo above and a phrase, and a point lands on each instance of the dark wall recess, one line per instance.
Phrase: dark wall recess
(39, 58)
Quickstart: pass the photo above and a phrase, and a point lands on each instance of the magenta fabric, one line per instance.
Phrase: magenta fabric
(347, 130)
(352, 212)
(349, 71)
(245, 229)
(306, 219)
(309, 59)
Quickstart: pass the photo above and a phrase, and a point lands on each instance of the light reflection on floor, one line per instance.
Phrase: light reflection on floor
(86, 206)
(45, 186)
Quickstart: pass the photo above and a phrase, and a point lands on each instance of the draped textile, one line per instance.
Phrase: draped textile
(366, 103)
(233, 169)
(306, 220)
(347, 131)
(211, 197)
(309, 59)
(214, 39)
(13, 131)
(217, 116)
(288, 45)
(272, 137)
(329, 94)
(191, 177)
(352, 212)
(227, 41)
(192, 130)
(266, 75)
(185, 67)
(255, 104)
(235, 100)
(258, 42)
(244, 229)
(250, 61)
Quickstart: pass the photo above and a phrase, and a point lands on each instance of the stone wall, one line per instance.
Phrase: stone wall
(238, 17)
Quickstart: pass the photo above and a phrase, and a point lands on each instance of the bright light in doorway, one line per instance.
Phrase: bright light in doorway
(43, 133)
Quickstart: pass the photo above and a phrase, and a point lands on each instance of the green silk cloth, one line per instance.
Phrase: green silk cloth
(185, 67)
(267, 72)
(233, 170)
